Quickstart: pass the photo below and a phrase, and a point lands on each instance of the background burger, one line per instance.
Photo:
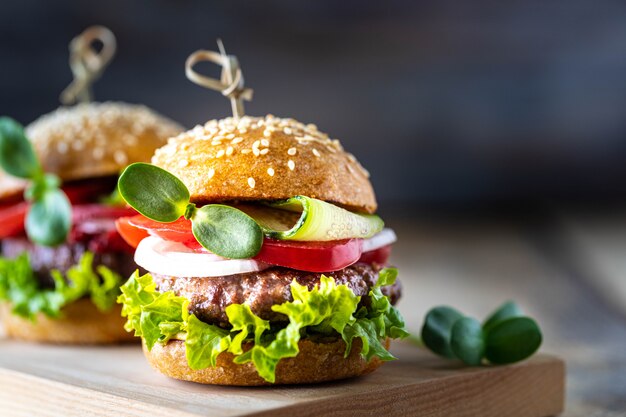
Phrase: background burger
(59, 278)
(266, 263)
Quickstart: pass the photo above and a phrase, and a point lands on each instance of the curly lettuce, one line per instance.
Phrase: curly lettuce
(327, 309)
(21, 289)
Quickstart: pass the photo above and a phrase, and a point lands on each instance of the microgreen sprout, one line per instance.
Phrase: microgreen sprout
(162, 197)
(506, 336)
(49, 218)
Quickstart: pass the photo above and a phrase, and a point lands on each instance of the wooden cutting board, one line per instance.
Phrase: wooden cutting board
(38, 380)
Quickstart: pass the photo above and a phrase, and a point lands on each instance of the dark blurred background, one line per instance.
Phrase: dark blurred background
(448, 103)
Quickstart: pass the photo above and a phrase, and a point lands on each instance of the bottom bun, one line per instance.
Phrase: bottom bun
(81, 323)
(316, 362)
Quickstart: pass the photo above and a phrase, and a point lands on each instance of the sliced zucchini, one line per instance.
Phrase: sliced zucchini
(308, 219)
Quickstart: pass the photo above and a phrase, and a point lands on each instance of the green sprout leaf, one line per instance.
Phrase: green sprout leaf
(17, 156)
(227, 231)
(505, 336)
(512, 340)
(466, 340)
(154, 192)
(49, 219)
(505, 311)
(437, 329)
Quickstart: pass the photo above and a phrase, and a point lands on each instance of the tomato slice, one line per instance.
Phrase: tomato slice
(379, 256)
(310, 256)
(137, 226)
(12, 219)
(132, 235)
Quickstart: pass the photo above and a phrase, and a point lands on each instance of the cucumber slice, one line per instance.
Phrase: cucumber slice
(308, 219)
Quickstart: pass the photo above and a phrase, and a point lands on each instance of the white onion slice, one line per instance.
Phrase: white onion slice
(383, 238)
(177, 260)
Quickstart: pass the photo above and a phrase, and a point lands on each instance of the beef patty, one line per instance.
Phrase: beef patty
(261, 290)
(43, 259)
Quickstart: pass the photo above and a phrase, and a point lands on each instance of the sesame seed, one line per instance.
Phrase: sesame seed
(264, 151)
(62, 147)
(98, 153)
(236, 141)
(211, 173)
(256, 151)
(245, 151)
(216, 143)
(265, 142)
(256, 143)
(183, 163)
(316, 152)
(251, 182)
(287, 131)
(291, 165)
(270, 172)
(291, 151)
(229, 151)
(120, 157)
(267, 133)
(220, 153)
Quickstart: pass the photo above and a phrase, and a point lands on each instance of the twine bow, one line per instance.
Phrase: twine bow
(230, 84)
(86, 63)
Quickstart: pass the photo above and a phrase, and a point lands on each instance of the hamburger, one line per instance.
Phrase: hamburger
(265, 261)
(59, 284)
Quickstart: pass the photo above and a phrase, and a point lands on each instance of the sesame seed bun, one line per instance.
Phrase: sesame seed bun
(265, 158)
(98, 139)
(81, 323)
(316, 362)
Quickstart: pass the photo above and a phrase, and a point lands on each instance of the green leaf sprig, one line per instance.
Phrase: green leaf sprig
(506, 336)
(49, 218)
(162, 197)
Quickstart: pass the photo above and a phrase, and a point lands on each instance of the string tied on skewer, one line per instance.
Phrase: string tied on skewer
(87, 63)
(230, 84)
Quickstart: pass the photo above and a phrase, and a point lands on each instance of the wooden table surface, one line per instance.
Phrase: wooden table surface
(566, 269)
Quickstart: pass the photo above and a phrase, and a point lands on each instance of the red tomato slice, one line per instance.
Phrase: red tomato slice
(12, 219)
(311, 256)
(379, 256)
(131, 234)
(139, 227)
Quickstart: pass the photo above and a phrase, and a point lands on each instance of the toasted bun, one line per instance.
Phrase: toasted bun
(265, 158)
(98, 139)
(316, 362)
(81, 323)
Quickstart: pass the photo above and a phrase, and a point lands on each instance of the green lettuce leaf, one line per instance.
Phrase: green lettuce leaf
(204, 343)
(327, 306)
(380, 320)
(20, 287)
(151, 314)
(327, 309)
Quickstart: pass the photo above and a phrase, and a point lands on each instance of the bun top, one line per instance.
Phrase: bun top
(265, 158)
(98, 139)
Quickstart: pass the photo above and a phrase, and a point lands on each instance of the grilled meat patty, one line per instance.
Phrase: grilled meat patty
(261, 290)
